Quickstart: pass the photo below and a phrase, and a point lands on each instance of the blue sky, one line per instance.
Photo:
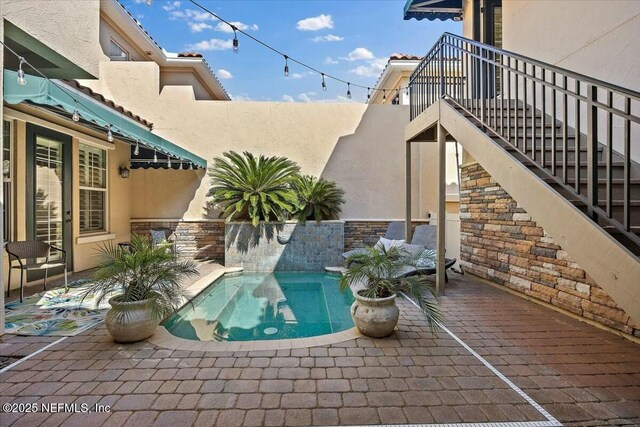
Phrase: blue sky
(351, 39)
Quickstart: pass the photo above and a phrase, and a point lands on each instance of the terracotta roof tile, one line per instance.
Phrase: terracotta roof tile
(404, 57)
(189, 55)
(109, 103)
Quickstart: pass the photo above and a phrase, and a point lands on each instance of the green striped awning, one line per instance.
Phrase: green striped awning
(60, 96)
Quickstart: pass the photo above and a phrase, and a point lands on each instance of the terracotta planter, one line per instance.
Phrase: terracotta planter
(375, 317)
(133, 322)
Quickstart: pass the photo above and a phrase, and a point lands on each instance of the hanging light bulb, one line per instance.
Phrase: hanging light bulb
(349, 90)
(286, 66)
(149, 2)
(21, 78)
(155, 156)
(235, 39)
(109, 134)
(136, 150)
(75, 116)
(169, 161)
(407, 91)
(368, 93)
(384, 95)
(324, 84)
(191, 166)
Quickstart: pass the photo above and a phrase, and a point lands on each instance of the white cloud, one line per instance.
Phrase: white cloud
(330, 60)
(360, 53)
(288, 98)
(306, 96)
(189, 15)
(241, 97)
(327, 38)
(196, 27)
(372, 69)
(295, 76)
(225, 28)
(168, 7)
(213, 44)
(315, 23)
(224, 74)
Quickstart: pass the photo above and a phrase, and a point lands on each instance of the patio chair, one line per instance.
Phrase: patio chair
(163, 238)
(426, 236)
(31, 251)
(395, 231)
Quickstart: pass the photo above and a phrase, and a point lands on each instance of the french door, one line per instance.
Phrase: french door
(49, 190)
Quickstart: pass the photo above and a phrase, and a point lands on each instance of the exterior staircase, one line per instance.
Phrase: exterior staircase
(574, 138)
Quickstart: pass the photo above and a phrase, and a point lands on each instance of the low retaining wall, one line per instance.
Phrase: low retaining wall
(500, 242)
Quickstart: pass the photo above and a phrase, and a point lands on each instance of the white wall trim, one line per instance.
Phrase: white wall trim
(95, 238)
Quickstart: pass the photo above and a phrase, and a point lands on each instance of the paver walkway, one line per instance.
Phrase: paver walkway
(579, 374)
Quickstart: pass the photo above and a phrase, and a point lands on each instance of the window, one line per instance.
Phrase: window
(93, 188)
(7, 173)
(117, 53)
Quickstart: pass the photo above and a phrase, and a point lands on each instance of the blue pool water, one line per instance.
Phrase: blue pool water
(263, 306)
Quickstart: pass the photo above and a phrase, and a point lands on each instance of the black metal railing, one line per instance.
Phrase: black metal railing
(568, 124)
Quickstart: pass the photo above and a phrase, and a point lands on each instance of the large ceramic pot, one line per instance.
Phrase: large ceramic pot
(131, 321)
(375, 317)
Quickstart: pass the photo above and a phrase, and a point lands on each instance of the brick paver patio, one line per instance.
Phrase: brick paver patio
(579, 374)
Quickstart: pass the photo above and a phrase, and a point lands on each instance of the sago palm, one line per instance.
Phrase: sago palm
(140, 272)
(255, 188)
(382, 271)
(319, 199)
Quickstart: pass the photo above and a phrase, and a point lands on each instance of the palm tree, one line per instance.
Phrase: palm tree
(255, 188)
(141, 272)
(319, 199)
(382, 273)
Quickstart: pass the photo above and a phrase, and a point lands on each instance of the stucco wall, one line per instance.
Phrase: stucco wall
(356, 145)
(70, 27)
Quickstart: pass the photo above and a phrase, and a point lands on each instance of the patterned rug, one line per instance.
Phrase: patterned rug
(55, 312)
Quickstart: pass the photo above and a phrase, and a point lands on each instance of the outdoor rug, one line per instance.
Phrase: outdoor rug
(55, 312)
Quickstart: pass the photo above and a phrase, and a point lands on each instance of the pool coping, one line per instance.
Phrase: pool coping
(163, 338)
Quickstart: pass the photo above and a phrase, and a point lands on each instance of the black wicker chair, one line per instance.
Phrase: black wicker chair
(25, 255)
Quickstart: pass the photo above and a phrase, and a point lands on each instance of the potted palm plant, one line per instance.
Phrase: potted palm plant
(376, 276)
(143, 284)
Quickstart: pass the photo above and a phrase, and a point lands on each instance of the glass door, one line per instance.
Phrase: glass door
(49, 190)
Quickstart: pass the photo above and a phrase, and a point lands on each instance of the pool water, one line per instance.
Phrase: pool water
(263, 306)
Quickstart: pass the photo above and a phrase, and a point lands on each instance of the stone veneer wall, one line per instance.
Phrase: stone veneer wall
(358, 234)
(205, 239)
(502, 243)
(194, 239)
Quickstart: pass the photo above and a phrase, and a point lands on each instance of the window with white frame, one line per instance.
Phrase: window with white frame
(93, 188)
(7, 175)
(117, 52)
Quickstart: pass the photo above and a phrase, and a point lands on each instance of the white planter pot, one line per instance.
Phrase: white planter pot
(375, 317)
(134, 321)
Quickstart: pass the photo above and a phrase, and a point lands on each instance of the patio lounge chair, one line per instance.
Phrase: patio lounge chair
(426, 236)
(31, 251)
(395, 231)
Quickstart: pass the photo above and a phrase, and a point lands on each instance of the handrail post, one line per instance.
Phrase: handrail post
(592, 150)
(441, 69)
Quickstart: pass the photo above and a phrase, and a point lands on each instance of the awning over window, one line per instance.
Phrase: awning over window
(64, 98)
(433, 9)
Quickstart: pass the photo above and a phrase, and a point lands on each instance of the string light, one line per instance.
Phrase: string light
(286, 66)
(149, 2)
(191, 166)
(75, 116)
(324, 84)
(136, 150)
(21, 78)
(109, 134)
(168, 161)
(384, 95)
(235, 39)
(155, 156)
(349, 90)
(368, 93)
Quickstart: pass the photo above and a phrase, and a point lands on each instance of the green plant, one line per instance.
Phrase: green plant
(254, 188)
(140, 272)
(381, 273)
(319, 199)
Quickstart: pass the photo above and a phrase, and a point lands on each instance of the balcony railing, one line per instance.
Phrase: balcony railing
(517, 99)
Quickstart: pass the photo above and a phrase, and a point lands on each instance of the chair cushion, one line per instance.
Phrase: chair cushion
(388, 244)
(43, 265)
(412, 250)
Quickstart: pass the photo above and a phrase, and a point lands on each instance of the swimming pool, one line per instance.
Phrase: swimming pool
(263, 306)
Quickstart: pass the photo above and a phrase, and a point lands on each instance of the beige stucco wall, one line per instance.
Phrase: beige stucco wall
(109, 32)
(353, 144)
(598, 38)
(70, 27)
(185, 77)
